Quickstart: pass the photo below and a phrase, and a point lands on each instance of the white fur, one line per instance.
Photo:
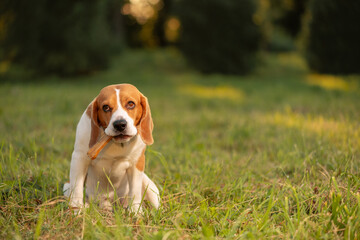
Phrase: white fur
(113, 175)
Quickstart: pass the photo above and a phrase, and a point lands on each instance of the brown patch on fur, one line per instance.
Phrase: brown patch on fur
(89, 109)
(146, 124)
(140, 165)
(107, 96)
(95, 130)
(99, 118)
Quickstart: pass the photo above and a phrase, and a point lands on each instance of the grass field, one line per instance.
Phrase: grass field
(272, 155)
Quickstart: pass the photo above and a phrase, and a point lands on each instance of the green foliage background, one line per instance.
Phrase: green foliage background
(219, 36)
(334, 36)
(61, 37)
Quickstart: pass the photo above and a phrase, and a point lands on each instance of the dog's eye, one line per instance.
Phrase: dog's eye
(130, 105)
(106, 108)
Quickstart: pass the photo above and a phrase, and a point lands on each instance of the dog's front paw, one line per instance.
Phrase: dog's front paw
(136, 208)
(77, 206)
(106, 205)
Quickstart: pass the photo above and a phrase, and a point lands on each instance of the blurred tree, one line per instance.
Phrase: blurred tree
(116, 21)
(219, 36)
(145, 22)
(334, 36)
(160, 25)
(287, 14)
(284, 19)
(62, 37)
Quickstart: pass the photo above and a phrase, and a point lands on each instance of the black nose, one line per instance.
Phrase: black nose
(120, 125)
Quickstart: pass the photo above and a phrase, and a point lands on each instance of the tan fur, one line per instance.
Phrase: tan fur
(95, 130)
(140, 165)
(146, 125)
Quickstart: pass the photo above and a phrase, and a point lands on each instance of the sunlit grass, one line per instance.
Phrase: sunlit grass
(332, 82)
(219, 92)
(253, 157)
(342, 130)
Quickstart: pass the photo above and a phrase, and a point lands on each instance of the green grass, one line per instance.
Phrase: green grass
(270, 155)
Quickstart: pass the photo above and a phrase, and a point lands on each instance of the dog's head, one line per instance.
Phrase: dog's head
(121, 111)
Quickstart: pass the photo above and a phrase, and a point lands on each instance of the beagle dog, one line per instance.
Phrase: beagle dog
(117, 173)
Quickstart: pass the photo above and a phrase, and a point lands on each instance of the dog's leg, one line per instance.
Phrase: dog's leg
(135, 179)
(151, 191)
(78, 170)
(66, 189)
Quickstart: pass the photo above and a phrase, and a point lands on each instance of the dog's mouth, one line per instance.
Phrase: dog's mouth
(122, 137)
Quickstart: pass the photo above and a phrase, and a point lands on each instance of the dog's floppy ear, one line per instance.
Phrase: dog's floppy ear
(92, 112)
(146, 125)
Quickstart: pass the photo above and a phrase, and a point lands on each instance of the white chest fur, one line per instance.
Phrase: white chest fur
(108, 171)
(116, 155)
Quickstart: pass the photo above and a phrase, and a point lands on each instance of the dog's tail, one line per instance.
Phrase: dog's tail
(151, 191)
(66, 189)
